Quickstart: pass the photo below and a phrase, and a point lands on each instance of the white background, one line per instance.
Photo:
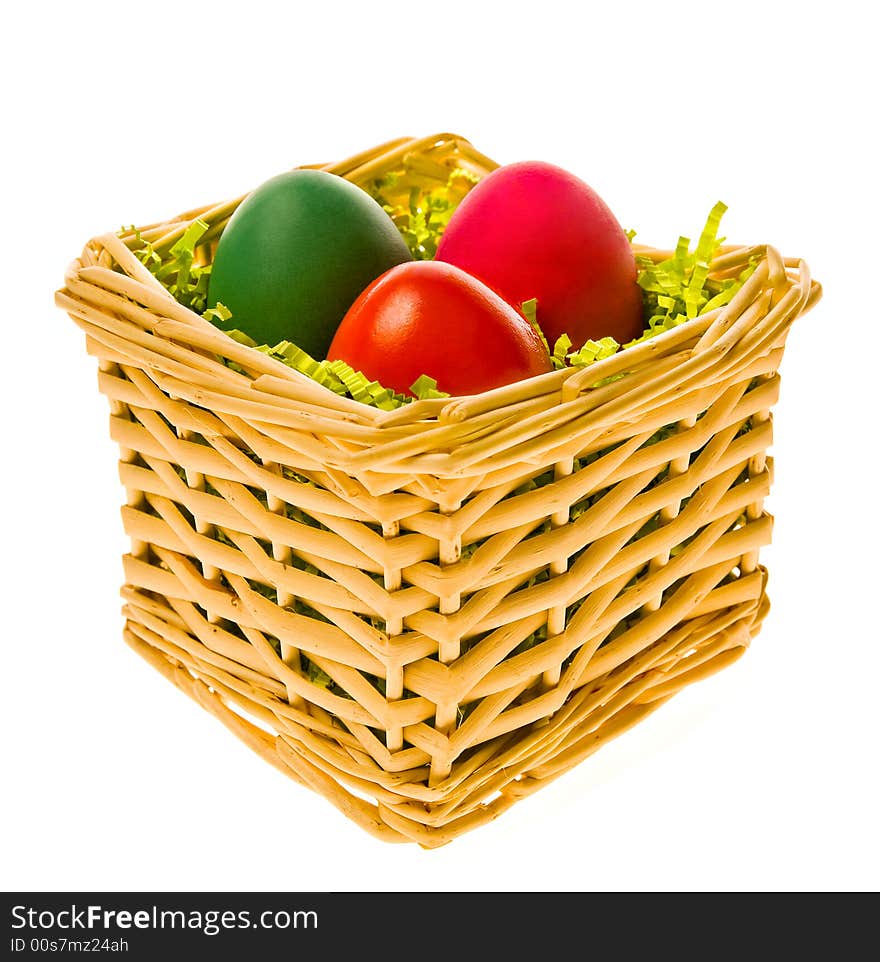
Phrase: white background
(764, 777)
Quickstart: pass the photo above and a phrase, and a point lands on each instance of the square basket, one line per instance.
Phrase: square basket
(428, 613)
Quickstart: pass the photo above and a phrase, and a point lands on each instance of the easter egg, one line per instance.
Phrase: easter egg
(296, 253)
(533, 230)
(428, 317)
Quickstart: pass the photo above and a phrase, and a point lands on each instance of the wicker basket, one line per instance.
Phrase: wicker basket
(381, 604)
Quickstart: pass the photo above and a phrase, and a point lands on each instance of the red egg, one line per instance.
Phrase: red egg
(533, 230)
(426, 317)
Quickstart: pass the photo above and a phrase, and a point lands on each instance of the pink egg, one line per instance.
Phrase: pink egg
(533, 230)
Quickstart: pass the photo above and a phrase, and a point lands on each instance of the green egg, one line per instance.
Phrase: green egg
(296, 253)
